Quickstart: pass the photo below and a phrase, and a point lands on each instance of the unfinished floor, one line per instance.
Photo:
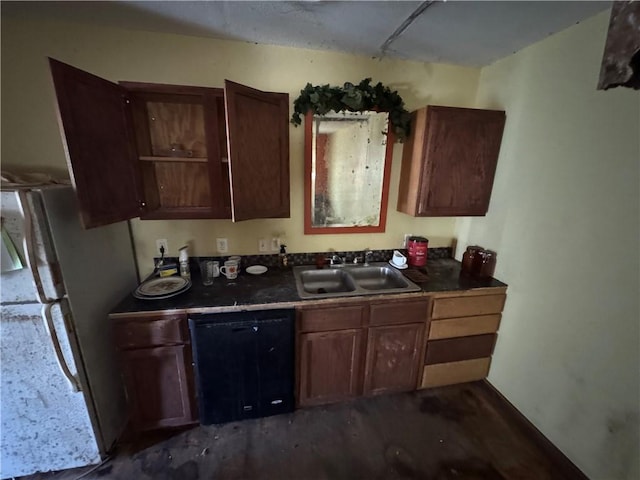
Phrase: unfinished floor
(459, 432)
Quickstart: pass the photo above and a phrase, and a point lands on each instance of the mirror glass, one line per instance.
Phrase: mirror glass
(347, 169)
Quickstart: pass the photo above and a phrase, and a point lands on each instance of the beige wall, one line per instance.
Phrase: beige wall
(30, 137)
(564, 219)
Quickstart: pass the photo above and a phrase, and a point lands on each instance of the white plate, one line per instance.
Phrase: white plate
(161, 297)
(158, 287)
(256, 269)
(403, 267)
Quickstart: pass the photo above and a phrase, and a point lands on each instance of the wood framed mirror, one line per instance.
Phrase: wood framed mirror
(347, 169)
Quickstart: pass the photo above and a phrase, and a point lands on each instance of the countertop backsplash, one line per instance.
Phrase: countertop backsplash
(273, 260)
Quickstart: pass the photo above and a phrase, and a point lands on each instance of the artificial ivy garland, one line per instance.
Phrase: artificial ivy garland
(354, 98)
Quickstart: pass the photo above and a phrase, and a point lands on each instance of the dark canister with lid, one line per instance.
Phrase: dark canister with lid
(488, 265)
(417, 251)
(469, 259)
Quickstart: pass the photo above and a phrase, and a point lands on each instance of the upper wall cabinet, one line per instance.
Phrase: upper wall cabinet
(449, 161)
(173, 152)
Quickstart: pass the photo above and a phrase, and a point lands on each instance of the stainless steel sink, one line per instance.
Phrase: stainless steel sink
(319, 282)
(378, 278)
(351, 280)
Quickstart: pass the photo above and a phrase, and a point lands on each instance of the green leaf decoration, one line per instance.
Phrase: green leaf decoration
(322, 99)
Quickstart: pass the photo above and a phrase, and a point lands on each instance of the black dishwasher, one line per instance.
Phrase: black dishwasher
(244, 364)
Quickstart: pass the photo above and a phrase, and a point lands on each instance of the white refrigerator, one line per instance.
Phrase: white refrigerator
(62, 399)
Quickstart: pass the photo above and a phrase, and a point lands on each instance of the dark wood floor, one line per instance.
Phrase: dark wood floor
(460, 432)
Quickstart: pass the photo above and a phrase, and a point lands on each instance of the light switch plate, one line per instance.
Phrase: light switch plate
(263, 245)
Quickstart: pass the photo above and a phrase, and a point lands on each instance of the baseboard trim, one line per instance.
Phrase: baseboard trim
(567, 468)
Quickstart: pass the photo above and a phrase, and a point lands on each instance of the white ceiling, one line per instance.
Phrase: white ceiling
(473, 33)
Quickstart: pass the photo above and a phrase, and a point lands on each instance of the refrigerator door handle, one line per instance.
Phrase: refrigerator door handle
(31, 258)
(62, 363)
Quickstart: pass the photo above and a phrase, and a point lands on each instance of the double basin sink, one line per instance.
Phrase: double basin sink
(351, 280)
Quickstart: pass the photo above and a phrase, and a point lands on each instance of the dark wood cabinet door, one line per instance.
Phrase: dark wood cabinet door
(96, 128)
(393, 358)
(330, 366)
(449, 161)
(461, 156)
(258, 147)
(159, 386)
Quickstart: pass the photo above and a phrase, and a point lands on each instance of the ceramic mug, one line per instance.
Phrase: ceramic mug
(230, 269)
(399, 259)
(237, 259)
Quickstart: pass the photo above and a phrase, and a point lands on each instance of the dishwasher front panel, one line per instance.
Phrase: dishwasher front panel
(244, 364)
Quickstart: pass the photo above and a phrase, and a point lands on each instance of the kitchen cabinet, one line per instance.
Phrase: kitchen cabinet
(449, 161)
(366, 348)
(155, 354)
(394, 346)
(172, 152)
(461, 336)
(330, 345)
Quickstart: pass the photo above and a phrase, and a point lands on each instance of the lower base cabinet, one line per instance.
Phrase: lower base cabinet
(393, 358)
(461, 337)
(351, 350)
(155, 354)
(158, 388)
(342, 351)
(330, 366)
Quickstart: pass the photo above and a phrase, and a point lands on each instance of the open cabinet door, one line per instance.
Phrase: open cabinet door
(96, 129)
(258, 148)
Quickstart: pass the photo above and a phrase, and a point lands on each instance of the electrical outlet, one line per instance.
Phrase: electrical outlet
(263, 245)
(406, 239)
(221, 245)
(275, 244)
(162, 242)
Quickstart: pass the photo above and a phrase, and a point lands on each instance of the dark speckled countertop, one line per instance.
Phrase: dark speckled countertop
(277, 288)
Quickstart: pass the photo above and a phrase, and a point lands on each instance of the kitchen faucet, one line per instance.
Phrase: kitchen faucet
(336, 260)
(364, 259)
(367, 256)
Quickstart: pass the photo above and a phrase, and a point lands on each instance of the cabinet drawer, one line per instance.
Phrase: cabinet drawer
(398, 312)
(456, 349)
(334, 318)
(464, 326)
(139, 334)
(467, 306)
(455, 372)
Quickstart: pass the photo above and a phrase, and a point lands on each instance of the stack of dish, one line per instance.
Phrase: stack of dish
(160, 288)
